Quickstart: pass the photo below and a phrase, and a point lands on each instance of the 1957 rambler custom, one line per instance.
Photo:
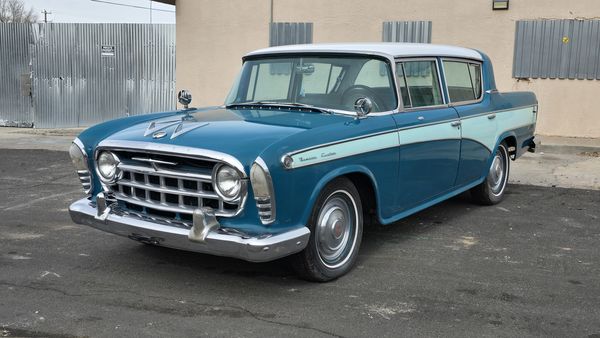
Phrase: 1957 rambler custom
(313, 143)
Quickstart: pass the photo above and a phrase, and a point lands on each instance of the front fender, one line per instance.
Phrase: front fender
(350, 169)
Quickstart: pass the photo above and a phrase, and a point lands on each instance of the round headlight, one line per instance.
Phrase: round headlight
(228, 182)
(107, 166)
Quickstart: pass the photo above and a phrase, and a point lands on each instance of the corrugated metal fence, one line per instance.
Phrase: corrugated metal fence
(290, 33)
(82, 74)
(407, 31)
(563, 49)
(15, 81)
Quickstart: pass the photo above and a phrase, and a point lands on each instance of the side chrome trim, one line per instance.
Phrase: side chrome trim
(181, 151)
(455, 122)
(220, 242)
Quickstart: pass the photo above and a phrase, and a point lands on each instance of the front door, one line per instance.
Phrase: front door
(429, 135)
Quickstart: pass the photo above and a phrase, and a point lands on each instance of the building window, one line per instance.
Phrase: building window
(557, 49)
(407, 31)
(290, 33)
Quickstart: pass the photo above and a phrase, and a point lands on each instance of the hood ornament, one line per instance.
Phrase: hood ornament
(183, 125)
(159, 134)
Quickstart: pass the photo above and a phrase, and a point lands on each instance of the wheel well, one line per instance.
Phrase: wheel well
(511, 142)
(365, 188)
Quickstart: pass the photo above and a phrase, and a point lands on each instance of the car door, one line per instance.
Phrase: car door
(428, 132)
(478, 130)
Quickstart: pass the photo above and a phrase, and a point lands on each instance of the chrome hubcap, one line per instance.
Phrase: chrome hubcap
(336, 230)
(496, 174)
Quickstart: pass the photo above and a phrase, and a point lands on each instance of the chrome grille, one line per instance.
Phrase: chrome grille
(168, 186)
(86, 180)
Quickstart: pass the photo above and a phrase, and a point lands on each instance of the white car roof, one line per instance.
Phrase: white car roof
(392, 49)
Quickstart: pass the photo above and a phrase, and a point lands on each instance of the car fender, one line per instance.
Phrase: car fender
(330, 176)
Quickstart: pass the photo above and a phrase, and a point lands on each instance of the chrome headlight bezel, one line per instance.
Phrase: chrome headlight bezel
(116, 174)
(240, 185)
(264, 192)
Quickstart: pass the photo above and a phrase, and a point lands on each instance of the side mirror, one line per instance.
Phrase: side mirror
(363, 106)
(184, 97)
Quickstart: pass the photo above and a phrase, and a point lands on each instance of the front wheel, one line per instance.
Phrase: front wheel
(491, 191)
(336, 226)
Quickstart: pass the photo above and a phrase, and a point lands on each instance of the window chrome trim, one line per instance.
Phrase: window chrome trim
(467, 61)
(440, 84)
(346, 53)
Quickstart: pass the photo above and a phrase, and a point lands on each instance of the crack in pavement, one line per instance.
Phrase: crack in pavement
(208, 308)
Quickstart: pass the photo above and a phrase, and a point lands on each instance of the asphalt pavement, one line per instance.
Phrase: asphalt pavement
(527, 267)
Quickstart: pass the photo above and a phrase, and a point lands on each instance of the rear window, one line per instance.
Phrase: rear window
(463, 80)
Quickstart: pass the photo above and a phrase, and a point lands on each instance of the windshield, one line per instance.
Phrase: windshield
(325, 82)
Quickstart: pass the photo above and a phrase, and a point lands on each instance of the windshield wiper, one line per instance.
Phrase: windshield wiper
(280, 104)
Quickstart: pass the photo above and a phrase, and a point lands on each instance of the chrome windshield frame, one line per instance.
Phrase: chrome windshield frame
(388, 59)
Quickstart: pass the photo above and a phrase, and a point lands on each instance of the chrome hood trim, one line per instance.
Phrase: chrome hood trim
(177, 150)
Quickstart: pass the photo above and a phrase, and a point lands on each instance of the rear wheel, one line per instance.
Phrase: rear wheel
(336, 232)
(491, 191)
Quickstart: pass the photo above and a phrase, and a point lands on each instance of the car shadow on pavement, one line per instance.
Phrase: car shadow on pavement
(373, 238)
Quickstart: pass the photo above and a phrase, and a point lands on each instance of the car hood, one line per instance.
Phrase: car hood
(242, 133)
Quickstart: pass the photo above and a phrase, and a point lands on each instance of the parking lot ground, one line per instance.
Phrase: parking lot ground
(527, 267)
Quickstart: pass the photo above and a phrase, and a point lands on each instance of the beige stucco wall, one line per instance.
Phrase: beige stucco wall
(213, 35)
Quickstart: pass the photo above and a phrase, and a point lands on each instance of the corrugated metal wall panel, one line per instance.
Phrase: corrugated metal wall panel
(407, 31)
(15, 80)
(290, 33)
(564, 49)
(73, 84)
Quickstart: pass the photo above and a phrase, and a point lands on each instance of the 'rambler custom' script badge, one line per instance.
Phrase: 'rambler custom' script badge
(304, 159)
(314, 157)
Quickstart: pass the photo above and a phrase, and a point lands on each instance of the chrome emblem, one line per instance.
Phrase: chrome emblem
(159, 134)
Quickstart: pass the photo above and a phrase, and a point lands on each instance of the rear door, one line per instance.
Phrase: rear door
(429, 134)
(465, 93)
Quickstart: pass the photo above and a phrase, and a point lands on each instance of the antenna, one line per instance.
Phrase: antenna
(45, 12)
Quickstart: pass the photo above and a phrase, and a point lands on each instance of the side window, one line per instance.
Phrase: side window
(463, 80)
(419, 83)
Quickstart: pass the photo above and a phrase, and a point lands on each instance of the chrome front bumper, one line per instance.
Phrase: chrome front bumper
(215, 242)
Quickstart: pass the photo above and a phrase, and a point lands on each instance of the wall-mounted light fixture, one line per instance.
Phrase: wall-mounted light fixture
(499, 5)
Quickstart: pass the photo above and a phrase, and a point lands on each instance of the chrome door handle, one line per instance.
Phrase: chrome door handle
(492, 116)
(455, 123)
(420, 118)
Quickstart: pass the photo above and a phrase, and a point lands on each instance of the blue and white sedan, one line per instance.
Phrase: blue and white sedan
(313, 143)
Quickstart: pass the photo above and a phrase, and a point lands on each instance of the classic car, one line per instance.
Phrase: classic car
(313, 143)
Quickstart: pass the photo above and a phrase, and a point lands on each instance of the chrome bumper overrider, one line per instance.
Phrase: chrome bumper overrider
(204, 237)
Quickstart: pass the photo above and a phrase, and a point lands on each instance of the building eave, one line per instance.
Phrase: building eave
(168, 2)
